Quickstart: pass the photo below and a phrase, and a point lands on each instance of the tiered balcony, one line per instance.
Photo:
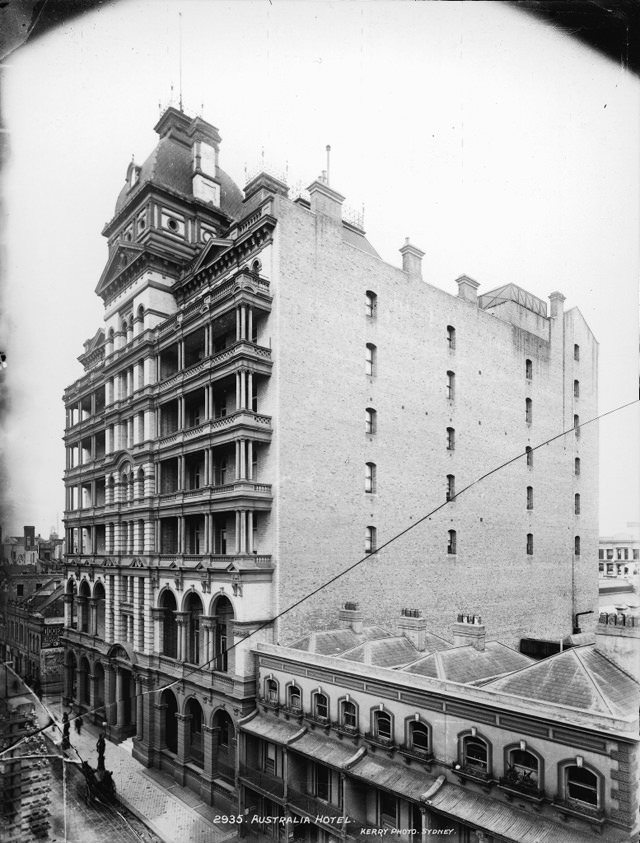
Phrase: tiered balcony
(225, 429)
(267, 783)
(220, 365)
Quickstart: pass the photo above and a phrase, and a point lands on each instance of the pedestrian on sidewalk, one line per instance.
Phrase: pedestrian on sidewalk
(79, 721)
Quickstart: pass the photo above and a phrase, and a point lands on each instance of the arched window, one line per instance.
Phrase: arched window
(294, 698)
(370, 539)
(168, 701)
(451, 487)
(523, 769)
(169, 625)
(576, 545)
(576, 504)
(196, 750)
(577, 466)
(576, 424)
(529, 452)
(271, 692)
(451, 337)
(321, 707)
(529, 544)
(452, 542)
(371, 304)
(582, 785)
(576, 352)
(529, 497)
(371, 359)
(576, 389)
(194, 609)
(475, 755)
(382, 726)
(451, 385)
(370, 478)
(348, 715)
(528, 369)
(528, 410)
(370, 421)
(451, 439)
(418, 737)
(223, 634)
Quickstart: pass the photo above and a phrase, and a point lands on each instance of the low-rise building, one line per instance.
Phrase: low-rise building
(362, 732)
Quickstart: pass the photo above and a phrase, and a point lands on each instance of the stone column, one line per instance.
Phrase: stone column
(139, 710)
(93, 616)
(250, 460)
(183, 738)
(120, 711)
(91, 678)
(157, 615)
(181, 620)
(109, 694)
(68, 610)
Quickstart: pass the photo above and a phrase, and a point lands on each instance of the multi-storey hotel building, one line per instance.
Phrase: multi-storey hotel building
(267, 402)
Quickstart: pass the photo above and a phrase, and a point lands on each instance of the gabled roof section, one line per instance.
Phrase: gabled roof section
(120, 258)
(581, 678)
(214, 247)
(95, 342)
(511, 292)
(331, 642)
(387, 652)
(468, 665)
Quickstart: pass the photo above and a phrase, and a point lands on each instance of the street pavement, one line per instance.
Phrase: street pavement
(175, 814)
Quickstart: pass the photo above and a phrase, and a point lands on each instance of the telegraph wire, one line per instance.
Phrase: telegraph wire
(347, 570)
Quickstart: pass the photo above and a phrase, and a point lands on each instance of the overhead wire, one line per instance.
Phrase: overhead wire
(196, 669)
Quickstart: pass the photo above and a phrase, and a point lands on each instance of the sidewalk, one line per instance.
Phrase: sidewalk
(175, 814)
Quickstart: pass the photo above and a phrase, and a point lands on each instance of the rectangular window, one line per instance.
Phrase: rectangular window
(451, 439)
(529, 544)
(322, 782)
(529, 456)
(576, 389)
(270, 758)
(451, 487)
(528, 410)
(370, 478)
(370, 540)
(451, 383)
(529, 497)
(388, 809)
(370, 360)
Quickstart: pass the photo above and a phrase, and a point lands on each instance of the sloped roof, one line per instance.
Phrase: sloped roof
(468, 665)
(358, 239)
(331, 642)
(386, 652)
(581, 678)
(170, 166)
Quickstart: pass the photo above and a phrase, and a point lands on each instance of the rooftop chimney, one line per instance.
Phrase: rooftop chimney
(556, 300)
(412, 260)
(467, 288)
(469, 629)
(413, 626)
(325, 200)
(618, 638)
(350, 617)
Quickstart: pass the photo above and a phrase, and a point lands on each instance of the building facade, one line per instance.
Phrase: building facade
(466, 741)
(266, 403)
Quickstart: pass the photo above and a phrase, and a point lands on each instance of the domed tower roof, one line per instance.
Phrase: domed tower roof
(175, 159)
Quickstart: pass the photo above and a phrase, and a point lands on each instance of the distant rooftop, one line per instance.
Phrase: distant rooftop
(511, 292)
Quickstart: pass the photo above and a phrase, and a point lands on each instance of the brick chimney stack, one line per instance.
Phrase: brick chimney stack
(350, 617)
(469, 629)
(412, 260)
(413, 626)
(467, 288)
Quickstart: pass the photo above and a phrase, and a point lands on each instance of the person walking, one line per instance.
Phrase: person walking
(79, 721)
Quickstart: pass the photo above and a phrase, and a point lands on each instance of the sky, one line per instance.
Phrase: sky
(501, 147)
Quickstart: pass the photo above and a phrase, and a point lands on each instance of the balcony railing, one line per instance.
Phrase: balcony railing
(265, 781)
(238, 417)
(311, 805)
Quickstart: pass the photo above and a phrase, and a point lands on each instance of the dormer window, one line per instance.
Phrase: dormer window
(134, 176)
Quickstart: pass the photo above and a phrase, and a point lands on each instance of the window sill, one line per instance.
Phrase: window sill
(513, 790)
(582, 810)
(411, 754)
(380, 743)
(473, 774)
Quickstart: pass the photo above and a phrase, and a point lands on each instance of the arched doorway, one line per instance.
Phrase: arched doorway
(169, 625)
(71, 676)
(170, 724)
(224, 744)
(84, 593)
(196, 747)
(99, 597)
(223, 635)
(84, 682)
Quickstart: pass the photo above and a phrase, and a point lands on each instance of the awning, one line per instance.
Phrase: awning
(503, 821)
(411, 784)
(322, 749)
(271, 729)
